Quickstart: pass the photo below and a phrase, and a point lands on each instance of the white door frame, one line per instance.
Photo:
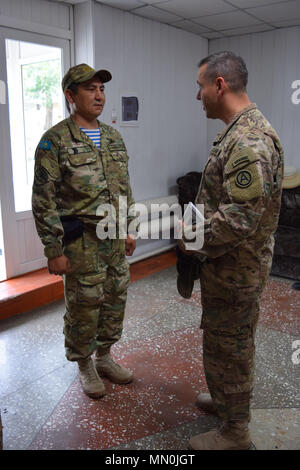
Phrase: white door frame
(11, 238)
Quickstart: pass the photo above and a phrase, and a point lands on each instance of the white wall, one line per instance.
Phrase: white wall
(159, 64)
(84, 38)
(273, 62)
(40, 16)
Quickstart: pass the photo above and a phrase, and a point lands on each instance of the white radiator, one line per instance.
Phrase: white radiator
(156, 221)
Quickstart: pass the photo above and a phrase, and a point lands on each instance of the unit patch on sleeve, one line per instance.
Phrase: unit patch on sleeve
(244, 176)
(45, 145)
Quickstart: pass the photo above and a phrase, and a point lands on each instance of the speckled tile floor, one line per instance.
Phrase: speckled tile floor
(43, 407)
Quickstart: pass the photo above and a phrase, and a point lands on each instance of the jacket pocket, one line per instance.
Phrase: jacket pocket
(120, 156)
(82, 158)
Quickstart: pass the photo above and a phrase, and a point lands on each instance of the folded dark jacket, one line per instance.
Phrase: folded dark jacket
(188, 270)
(73, 228)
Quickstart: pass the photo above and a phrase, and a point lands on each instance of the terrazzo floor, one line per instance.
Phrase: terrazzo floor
(43, 407)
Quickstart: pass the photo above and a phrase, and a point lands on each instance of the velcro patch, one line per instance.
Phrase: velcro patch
(79, 149)
(117, 146)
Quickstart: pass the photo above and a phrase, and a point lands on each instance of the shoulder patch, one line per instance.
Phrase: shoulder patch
(246, 184)
(243, 178)
(45, 145)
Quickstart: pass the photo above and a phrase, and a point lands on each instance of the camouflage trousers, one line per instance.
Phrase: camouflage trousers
(229, 320)
(228, 359)
(95, 295)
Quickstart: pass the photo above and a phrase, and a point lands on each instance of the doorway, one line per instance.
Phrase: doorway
(32, 69)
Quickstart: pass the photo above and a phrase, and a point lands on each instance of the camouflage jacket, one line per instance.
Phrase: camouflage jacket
(73, 177)
(241, 192)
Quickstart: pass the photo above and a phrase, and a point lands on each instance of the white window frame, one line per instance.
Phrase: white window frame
(11, 237)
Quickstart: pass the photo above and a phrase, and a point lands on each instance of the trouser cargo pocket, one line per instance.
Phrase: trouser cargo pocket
(85, 290)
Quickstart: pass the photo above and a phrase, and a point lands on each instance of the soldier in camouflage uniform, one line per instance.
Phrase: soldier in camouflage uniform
(73, 177)
(241, 193)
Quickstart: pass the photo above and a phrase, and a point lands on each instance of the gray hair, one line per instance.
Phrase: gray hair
(229, 66)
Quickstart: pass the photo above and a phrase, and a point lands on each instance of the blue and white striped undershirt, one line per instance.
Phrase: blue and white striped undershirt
(94, 135)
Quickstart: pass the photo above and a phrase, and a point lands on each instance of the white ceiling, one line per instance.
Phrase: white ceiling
(214, 18)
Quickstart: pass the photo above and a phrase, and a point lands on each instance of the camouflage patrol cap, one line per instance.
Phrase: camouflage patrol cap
(291, 178)
(82, 73)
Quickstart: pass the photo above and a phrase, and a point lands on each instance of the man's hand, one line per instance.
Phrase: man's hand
(181, 245)
(180, 241)
(130, 244)
(59, 265)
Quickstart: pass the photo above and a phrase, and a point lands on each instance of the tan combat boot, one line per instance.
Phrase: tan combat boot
(108, 368)
(230, 436)
(91, 383)
(205, 402)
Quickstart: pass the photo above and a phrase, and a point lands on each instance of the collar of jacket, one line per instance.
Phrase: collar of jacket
(77, 133)
(237, 116)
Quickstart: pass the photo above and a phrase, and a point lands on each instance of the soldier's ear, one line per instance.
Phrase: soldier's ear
(219, 83)
(69, 96)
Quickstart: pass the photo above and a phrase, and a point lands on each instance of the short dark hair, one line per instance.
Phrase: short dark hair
(229, 66)
(74, 88)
